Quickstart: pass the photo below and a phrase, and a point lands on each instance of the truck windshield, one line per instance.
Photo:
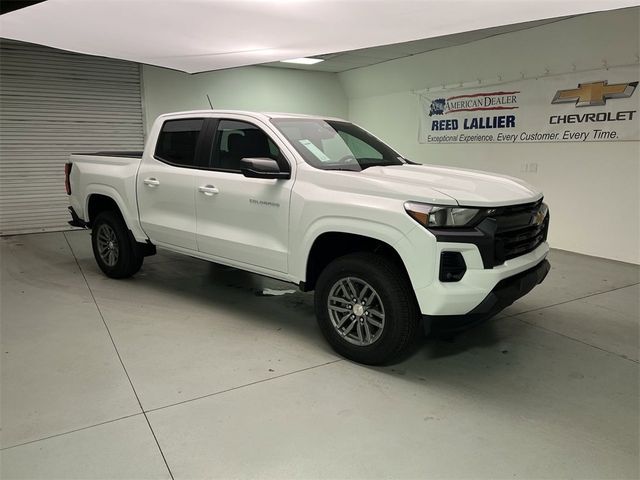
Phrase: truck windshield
(335, 145)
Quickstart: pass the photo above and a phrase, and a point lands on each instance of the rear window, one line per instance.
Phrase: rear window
(178, 140)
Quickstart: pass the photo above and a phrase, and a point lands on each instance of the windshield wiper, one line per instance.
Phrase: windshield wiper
(388, 164)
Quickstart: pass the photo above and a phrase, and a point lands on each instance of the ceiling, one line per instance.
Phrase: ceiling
(201, 35)
(343, 61)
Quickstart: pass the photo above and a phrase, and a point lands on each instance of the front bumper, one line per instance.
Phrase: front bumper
(462, 297)
(501, 296)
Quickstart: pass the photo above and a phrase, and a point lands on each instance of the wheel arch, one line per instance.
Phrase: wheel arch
(332, 244)
(98, 203)
(103, 197)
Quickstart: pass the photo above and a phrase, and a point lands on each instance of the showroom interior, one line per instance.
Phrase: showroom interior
(197, 369)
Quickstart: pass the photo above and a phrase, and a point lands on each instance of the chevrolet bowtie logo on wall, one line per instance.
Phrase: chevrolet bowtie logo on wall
(595, 93)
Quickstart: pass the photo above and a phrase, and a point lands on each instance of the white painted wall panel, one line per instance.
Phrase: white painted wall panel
(264, 89)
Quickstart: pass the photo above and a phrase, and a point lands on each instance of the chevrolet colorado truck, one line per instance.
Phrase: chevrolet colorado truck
(386, 243)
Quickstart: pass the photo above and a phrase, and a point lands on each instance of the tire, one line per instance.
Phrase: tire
(116, 252)
(373, 339)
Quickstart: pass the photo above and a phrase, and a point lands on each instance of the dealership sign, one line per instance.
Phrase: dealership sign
(597, 106)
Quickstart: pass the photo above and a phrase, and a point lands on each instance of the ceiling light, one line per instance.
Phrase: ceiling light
(304, 60)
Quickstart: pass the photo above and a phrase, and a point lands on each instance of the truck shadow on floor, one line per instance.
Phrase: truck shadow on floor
(212, 289)
(282, 305)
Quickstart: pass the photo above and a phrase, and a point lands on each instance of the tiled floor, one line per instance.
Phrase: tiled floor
(188, 370)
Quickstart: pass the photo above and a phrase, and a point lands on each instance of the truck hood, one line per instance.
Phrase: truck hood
(470, 188)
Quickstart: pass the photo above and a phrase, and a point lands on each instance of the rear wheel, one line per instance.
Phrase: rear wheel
(118, 254)
(365, 308)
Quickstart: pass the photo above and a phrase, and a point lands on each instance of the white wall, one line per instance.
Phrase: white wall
(592, 188)
(248, 88)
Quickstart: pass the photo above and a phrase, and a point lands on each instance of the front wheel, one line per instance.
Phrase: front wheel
(365, 308)
(116, 252)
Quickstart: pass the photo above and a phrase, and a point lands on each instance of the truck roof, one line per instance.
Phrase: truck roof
(261, 115)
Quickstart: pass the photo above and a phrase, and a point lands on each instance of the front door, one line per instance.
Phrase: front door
(166, 184)
(238, 218)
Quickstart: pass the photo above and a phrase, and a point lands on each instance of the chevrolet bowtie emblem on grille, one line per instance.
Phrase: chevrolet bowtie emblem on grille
(595, 93)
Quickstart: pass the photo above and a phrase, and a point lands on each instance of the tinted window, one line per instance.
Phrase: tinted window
(236, 140)
(177, 141)
(359, 148)
(336, 145)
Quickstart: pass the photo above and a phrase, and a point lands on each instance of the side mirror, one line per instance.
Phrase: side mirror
(262, 168)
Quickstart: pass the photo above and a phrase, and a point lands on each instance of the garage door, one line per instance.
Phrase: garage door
(53, 103)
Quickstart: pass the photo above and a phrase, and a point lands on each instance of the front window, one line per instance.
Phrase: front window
(235, 140)
(334, 145)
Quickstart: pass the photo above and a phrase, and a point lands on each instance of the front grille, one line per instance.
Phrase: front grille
(516, 231)
(502, 233)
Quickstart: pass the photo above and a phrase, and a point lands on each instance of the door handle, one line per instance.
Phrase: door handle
(151, 182)
(208, 190)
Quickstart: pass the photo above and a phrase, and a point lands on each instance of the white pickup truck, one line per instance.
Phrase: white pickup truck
(385, 243)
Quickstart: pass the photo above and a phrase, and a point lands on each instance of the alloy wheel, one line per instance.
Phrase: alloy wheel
(108, 247)
(356, 311)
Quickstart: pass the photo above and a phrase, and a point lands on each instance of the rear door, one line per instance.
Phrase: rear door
(166, 183)
(238, 218)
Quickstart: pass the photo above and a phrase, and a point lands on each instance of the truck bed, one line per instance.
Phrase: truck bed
(111, 174)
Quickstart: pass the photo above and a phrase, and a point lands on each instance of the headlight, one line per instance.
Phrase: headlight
(438, 216)
(542, 213)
